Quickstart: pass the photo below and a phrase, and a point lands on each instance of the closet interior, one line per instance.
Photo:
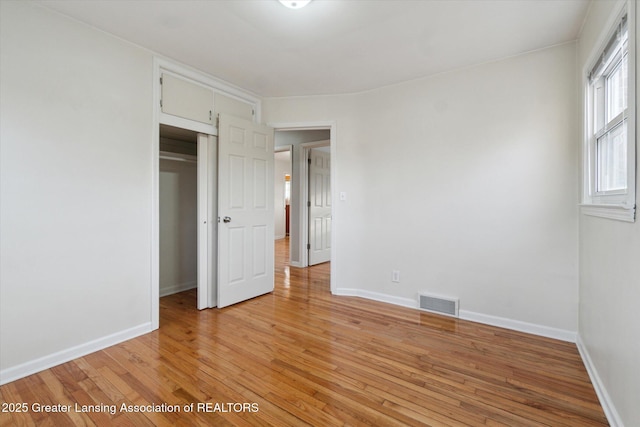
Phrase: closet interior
(178, 210)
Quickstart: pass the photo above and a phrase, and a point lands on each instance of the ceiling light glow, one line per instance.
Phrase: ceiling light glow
(295, 4)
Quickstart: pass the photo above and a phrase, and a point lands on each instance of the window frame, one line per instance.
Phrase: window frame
(618, 204)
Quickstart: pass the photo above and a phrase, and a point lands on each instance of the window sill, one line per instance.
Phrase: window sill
(615, 212)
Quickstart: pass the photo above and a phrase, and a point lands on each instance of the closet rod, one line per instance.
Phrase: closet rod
(178, 157)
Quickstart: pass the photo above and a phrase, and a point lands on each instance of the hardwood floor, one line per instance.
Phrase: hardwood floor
(300, 356)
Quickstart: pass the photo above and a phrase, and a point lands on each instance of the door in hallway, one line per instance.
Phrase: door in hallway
(319, 206)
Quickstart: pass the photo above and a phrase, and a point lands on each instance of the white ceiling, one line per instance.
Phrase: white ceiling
(332, 46)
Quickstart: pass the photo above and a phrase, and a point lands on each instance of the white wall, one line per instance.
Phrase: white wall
(282, 166)
(178, 226)
(466, 182)
(75, 217)
(610, 281)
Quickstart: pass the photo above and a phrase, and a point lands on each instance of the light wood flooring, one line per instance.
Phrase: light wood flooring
(300, 356)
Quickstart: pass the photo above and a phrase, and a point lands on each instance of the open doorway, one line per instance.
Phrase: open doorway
(301, 143)
(186, 207)
(178, 210)
(282, 193)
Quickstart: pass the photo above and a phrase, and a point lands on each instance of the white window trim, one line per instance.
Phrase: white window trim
(617, 205)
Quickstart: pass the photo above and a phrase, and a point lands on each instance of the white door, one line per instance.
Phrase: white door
(207, 188)
(245, 210)
(319, 207)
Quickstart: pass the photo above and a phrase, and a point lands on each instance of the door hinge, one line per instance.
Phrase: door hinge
(210, 115)
(253, 112)
(309, 203)
(308, 246)
(160, 103)
(160, 79)
(309, 160)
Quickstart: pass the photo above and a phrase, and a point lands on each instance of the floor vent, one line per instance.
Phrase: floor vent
(438, 304)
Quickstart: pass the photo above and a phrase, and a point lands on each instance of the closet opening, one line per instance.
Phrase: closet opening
(178, 210)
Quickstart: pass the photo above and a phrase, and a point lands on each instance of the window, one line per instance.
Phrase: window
(609, 187)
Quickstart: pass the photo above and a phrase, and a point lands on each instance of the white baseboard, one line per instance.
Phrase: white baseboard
(516, 325)
(180, 287)
(520, 326)
(376, 296)
(605, 400)
(11, 374)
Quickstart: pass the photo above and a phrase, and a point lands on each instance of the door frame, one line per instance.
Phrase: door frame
(304, 185)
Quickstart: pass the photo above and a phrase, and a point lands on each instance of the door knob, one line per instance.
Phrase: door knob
(226, 219)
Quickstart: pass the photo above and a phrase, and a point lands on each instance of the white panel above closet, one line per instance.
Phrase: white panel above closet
(187, 99)
(235, 107)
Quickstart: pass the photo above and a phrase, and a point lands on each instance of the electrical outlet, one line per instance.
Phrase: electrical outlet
(395, 276)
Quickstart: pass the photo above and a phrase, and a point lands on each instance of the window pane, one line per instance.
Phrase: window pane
(617, 89)
(611, 159)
